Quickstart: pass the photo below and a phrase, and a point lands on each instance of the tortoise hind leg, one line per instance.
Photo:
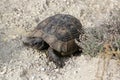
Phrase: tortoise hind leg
(52, 55)
(35, 42)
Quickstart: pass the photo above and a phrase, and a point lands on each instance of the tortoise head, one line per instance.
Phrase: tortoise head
(35, 42)
(31, 41)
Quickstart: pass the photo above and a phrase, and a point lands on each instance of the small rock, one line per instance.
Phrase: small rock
(33, 77)
(64, 0)
(4, 70)
(42, 69)
(56, 70)
(67, 3)
(37, 20)
(54, 78)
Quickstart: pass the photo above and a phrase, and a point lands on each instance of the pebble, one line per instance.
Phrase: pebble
(4, 70)
(64, 0)
(42, 69)
(67, 3)
(56, 70)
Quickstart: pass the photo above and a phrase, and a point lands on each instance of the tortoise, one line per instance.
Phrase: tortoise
(57, 35)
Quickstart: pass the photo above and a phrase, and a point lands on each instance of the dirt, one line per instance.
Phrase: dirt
(19, 17)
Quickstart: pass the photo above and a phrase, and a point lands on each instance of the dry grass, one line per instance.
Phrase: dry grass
(103, 41)
(107, 53)
(95, 38)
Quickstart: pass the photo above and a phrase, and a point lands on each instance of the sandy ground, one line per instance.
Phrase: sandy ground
(18, 17)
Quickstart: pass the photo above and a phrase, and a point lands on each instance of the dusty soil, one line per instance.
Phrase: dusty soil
(19, 17)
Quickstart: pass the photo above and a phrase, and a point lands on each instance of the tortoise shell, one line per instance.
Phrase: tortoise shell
(59, 31)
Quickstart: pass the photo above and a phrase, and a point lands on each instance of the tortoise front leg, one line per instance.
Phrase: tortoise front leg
(52, 55)
(43, 46)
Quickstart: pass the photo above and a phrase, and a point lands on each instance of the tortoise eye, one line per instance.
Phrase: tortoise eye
(35, 43)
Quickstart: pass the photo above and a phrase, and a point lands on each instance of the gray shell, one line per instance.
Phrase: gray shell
(59, 31)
